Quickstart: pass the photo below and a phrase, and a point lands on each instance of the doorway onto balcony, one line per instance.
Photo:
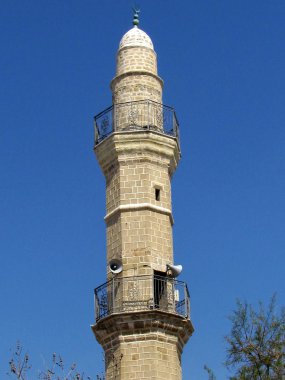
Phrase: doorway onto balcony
(159, 290)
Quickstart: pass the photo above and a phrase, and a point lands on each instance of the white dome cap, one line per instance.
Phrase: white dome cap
(136, 37)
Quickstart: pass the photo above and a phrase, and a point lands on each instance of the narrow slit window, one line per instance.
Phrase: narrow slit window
(157, 194)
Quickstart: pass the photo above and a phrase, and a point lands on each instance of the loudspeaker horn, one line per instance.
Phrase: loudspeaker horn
(115, 266)
(173, 270)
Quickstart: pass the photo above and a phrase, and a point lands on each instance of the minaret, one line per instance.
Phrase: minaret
(142, 311)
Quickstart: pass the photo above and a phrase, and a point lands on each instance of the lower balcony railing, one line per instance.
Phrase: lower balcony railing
(142, 293)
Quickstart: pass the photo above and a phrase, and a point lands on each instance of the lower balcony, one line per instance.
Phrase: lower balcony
(142, 293)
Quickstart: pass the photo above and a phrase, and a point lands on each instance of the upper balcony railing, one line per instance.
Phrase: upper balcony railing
(136, 116)
(142, 293)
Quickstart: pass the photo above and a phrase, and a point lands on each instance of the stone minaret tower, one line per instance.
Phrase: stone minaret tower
(142, 311)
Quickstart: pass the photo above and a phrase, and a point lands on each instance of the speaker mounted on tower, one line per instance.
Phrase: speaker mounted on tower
(173, 270)
(115, 266)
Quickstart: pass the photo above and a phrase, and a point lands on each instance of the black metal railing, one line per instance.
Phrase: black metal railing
(142, 293)
(136, 116)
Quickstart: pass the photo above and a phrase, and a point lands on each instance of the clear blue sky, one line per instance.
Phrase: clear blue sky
(223, 66)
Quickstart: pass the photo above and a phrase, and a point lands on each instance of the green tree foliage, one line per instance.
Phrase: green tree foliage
(256, 343)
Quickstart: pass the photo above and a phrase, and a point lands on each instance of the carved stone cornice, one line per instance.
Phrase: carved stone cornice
(150, 145)
(149, 325)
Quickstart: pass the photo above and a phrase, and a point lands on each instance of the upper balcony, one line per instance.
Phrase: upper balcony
(139, 115)
(142, 293)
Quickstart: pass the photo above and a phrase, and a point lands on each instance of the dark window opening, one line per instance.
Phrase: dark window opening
(157, 194)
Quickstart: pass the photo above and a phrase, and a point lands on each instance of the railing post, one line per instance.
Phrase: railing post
(114, 127)
(186, 301)
(148, 116)
(189, 306)
(164, 119)
(95, 132)
(95, 306)
(113, 294)
(173, 295)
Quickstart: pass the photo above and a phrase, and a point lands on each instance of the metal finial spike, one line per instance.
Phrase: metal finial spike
(136, 16)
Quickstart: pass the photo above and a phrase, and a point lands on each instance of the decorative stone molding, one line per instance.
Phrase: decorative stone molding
(140, 206)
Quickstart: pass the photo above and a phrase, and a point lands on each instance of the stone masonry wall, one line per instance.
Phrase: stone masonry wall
(136, 86)
(138, 206)
(136, 59)
(144, 359)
